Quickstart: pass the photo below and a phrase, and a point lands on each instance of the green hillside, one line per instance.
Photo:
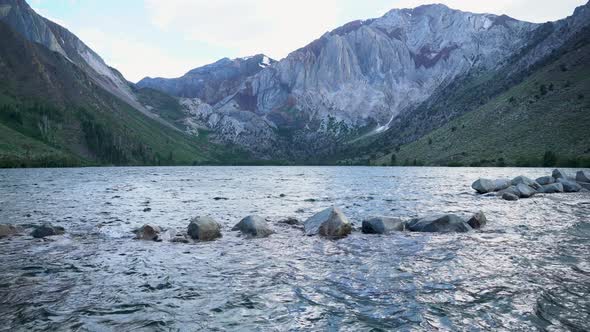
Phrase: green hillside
(545, 119)
(53, 114)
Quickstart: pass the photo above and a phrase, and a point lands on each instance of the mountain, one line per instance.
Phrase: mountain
(358, 78)
(60, 104)
(551, 43)
(210, 83)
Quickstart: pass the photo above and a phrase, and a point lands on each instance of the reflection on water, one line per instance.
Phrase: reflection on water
(528, 269)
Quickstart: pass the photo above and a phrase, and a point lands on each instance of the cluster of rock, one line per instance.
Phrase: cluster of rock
(39, 231)
(523, 187)
(329, 223)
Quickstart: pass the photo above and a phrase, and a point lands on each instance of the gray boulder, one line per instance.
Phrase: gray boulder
(524, 180)
(382, 225)
(444, 223)
(484, 186)
(569, 186)
(148, 233)
(509, 196)
(584, 185)
(8, 230)
(47, 230)
(553, 188)
(525, 191)
(204, 229)
(583, 176)
(563, 174)
(253, 226)
(545, 180)
(510, 190)
(329, 223)
(478, 220)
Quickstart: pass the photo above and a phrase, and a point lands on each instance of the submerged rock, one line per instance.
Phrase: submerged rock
(290, 221)
(478, 220)
(524, 180)
(553, 188)
(484, 186)
(47, 230)
(525, 191)
(569, 186)
(444, 223)
(329, 223)
(204, 229)
(545, 180)
(382, 225)
(253, 226)
(148, 233)
(8, 230)
(510, 196)
(583, 176)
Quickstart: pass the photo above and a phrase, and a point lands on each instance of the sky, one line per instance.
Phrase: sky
(167, 38)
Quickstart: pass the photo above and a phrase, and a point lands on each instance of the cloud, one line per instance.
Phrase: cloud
(135, 58)
(247, 26)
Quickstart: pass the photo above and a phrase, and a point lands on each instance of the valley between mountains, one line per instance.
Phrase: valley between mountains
(424, 86)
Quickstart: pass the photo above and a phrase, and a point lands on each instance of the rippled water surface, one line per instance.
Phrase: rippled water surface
(528, 269)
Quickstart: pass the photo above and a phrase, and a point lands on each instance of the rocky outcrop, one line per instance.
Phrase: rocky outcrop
(553, 188)
(148, 233)
(204, 229)
(47, 230)
(545, 180)
(484, 186)
(330, 223)
(445, 223)
(382, 225)
(526, 181)
(583, 176)
(477, 220)
(525, 191)
(569, 186)
(253, 226)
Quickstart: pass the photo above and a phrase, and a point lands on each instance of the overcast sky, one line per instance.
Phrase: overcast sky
(169, 37)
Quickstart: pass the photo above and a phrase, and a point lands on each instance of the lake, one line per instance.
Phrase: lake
(527, 269)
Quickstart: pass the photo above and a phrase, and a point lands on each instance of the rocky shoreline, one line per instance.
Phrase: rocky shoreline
(560, 181)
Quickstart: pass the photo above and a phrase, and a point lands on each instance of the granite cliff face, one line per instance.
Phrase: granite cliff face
(355, 79)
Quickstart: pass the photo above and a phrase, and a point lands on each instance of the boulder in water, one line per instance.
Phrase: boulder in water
(8, 230)
(382, 225)
(583, 176)
(329, 223)
(478, 220)
(563, 174)
(553, 188)
(569, 186)
(584, 185)
(524, 180)
(253, 226)
(204, 229)
(484, 186)
(148, 233)
(47, 230)
(525, 191)
(443, 223)
(510, 196)
(545, 180)
(510, 190)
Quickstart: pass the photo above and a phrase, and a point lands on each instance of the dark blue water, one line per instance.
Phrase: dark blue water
(528, 269)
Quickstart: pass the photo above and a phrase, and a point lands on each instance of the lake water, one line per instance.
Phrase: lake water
(528, 269)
